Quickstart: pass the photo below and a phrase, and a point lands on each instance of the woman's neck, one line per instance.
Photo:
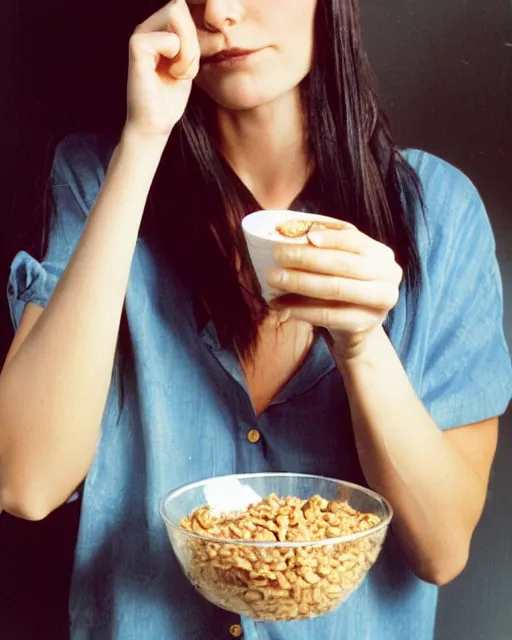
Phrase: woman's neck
(266, 147)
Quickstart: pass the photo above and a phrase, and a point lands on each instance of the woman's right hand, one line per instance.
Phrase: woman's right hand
(164, 59)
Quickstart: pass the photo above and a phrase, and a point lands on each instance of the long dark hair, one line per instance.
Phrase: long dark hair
(197, 202)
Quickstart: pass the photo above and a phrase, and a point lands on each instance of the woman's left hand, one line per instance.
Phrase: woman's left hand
(342, 280)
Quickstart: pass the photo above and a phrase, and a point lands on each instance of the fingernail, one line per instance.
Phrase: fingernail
(315, 238)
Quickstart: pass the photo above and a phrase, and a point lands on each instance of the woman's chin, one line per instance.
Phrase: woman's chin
(242, 103)
(239, 96)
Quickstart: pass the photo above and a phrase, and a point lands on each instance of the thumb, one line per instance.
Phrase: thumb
(147, 49)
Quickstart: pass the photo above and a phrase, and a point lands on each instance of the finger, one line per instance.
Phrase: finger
(148, 48)
(325, 222)
(159, 20)
(175, 18)
(334, 262)
(181, 23)
(348, 240)
(376, 294)
(333, 315)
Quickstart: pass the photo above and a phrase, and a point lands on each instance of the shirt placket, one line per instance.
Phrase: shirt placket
(251, 440)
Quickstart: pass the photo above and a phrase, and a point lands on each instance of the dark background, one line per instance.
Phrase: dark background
(444, 69)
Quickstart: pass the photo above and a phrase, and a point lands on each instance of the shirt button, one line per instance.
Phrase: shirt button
(10, 290)
(254, 436)
(235, 630)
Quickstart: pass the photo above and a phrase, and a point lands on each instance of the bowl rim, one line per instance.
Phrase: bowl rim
(384, 524)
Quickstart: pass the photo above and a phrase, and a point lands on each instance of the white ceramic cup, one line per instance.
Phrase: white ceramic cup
(261, 236)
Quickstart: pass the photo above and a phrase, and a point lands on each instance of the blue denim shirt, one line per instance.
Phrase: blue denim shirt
(187, 414)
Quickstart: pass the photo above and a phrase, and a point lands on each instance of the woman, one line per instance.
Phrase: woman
(233, 106)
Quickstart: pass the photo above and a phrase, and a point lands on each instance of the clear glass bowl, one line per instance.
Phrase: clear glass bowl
(261, 579)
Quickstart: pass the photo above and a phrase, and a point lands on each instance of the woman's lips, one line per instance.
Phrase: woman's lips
(229, 55)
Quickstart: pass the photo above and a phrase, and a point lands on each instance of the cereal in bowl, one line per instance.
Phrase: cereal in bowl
(281, 583)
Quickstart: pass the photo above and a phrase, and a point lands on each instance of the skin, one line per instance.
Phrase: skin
(258, 106)
(344, 281)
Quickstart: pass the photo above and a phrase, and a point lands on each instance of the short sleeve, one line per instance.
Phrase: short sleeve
(467, 373)
(78, 171)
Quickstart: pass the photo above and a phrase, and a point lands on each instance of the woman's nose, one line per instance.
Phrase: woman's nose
(221, 15)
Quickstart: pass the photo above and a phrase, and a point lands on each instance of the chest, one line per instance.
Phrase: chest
(280, 351)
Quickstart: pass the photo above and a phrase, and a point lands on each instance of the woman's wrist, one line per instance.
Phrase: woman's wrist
(360, 354)
(133, 140)
(138, 157)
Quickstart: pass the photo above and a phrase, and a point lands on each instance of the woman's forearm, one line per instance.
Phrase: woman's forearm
(436, 495)
(54, 387)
